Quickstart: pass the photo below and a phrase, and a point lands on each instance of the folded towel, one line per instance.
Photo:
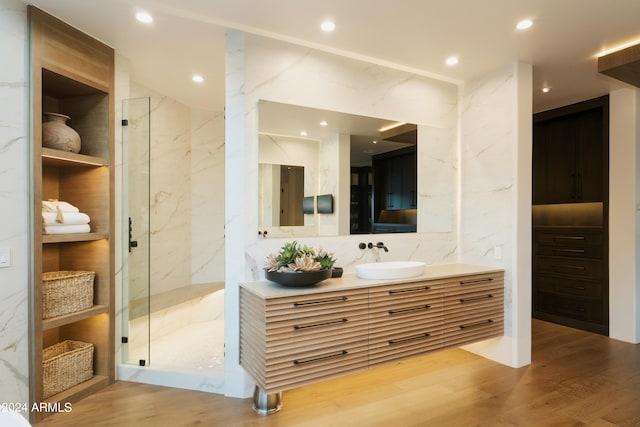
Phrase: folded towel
(66, 229)
(56, 206)
(66, 218)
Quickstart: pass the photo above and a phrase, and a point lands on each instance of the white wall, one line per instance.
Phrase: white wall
(14, 202)
(624, 219)
(495, 192)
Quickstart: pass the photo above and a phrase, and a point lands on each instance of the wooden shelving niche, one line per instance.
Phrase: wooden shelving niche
(73, 74)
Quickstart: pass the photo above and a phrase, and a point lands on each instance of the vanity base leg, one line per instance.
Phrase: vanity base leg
(266, 404)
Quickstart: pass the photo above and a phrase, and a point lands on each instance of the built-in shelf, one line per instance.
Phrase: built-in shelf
(57, 321)
(52, 157)
(73, 237)
(81, 390)
(73, 74)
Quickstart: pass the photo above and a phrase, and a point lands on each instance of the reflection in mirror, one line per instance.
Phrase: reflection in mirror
(368, 164)
(291, 194)
(286, 174)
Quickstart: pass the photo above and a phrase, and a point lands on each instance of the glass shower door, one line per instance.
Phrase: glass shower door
(136, 114)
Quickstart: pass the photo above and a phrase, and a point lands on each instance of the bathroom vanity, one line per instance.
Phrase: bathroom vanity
(292, 336)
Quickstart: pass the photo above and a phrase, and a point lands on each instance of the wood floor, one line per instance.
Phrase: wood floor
(576, 379)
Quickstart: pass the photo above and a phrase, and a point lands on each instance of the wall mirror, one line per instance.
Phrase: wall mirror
(370, 166)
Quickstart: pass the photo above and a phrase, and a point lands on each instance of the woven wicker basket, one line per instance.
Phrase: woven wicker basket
(65, 292)
(64, 365)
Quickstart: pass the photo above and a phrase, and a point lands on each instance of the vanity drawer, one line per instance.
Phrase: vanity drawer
(316, 331)
(408, 299)
(478, 283)
(575, 267)
(305, 366)
(412, 340)
(313, 305)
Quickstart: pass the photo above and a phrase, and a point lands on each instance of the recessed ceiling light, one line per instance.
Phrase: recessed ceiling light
(452, 60)
(303, 133)
(375, 141)
(144, 17)
(323, 123)
(524, 24)
(328, 26)
(546, 89)
(197, 78)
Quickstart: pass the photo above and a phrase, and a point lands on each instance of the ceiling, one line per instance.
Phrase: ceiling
(187, 37)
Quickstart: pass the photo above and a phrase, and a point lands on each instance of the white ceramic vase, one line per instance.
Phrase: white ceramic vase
(57, 134)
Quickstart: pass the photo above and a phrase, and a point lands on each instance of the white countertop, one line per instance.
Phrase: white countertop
(267, 289)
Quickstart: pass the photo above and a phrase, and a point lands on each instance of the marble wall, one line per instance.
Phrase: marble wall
(186, 175)
(495, 196)
(14, 202)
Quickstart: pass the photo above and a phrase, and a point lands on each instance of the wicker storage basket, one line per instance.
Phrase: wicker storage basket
(65, 292)
(64, 365)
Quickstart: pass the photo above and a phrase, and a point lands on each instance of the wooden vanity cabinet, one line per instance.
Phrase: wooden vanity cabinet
(292, 337)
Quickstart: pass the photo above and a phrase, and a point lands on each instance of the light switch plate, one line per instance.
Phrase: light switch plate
(5, 257)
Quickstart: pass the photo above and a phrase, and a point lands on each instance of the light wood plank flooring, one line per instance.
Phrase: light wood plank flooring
(576, 379)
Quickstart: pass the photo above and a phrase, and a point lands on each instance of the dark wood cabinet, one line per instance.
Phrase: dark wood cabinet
(569, 277)
(361, 197)
(570, 153)
(570, 219)
(395, 180)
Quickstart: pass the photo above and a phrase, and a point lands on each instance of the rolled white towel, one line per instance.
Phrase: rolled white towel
(58, 206)
(66, 218)
(66, 229)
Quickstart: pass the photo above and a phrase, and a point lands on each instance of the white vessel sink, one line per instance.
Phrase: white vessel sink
(390, 270)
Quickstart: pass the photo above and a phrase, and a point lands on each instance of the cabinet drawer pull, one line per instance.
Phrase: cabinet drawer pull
(577, 251)
(463, 300)
(571, 267)
(472, 325)
(319, 358)
(320, 301)
(404, 310)
(569, 238)
(402, 291)
(473, 282)
(318, 325)
(413, 338)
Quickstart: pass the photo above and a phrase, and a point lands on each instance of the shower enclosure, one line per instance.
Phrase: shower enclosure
(173, 330)
(136, 291)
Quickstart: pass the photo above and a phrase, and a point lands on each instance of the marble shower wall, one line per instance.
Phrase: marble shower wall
(207, 196)
(186, 192)
(14, 200)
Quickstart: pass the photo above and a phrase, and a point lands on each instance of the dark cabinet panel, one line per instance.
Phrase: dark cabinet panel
(570, 153)
(395, 180)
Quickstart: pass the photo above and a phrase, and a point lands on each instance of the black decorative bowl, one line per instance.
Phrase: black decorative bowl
(298, 278)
